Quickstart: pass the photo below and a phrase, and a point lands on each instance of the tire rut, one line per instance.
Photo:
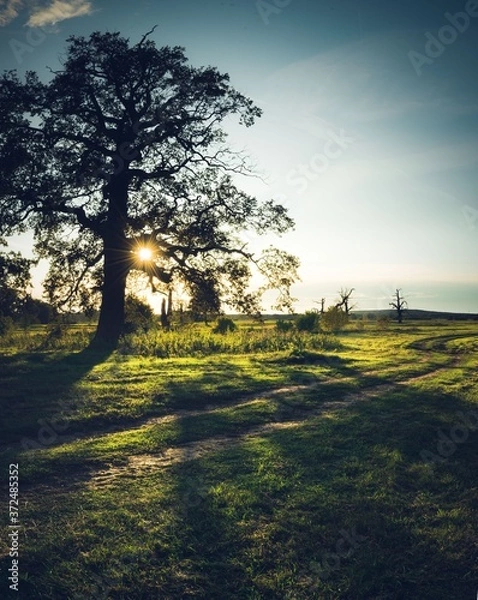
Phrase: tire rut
(147, 463)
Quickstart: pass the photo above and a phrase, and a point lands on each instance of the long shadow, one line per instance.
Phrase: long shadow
(210, 548)
(229, 382)
(36, 391)
(214, 559)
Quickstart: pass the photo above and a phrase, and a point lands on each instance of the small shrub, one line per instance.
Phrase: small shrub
(6, 325)
(54, 338)
(383, 323)
(334, 319)
(303, 357)
(309, 321)
(284, 326)
(139, 316)
(224, 325)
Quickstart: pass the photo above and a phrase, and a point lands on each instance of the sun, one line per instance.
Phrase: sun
(145, 254)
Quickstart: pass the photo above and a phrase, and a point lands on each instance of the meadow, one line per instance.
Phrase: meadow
(252, 465)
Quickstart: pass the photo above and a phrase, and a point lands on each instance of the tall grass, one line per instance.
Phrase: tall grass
(192, 341)
(40, 338)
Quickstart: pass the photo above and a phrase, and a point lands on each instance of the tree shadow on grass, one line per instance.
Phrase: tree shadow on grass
(227, 382)
(36, 392)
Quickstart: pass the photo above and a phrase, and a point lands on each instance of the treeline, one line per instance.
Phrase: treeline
(17, 306)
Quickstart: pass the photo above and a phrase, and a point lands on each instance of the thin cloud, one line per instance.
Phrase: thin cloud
(9, 11)
(59, 10)
(370, 82)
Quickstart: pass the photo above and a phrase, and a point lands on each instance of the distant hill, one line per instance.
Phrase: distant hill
(410, 315)
(415, 314)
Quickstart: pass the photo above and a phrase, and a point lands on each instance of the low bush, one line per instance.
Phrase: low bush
(309, 321)
(284, 326)
(139, 316)
(224, 325)
(333, 320)
(6, 325)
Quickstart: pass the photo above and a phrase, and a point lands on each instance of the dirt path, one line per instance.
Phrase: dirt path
(146, 463)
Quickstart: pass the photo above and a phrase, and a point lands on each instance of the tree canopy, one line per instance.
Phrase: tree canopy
(125, 148)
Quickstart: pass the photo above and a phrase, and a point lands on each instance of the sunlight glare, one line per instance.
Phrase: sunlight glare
(145, 254)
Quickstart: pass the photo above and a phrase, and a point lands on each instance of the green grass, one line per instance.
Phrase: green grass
(188, 477)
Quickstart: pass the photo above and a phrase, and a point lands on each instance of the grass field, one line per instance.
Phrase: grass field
(221, 467)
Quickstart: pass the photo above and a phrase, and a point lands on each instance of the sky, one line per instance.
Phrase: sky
(369, 134)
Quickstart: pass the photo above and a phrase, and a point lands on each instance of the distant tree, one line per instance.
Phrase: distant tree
(164, 315)
(399, 304)
(343, 303)
(35, 310)
(139, 316)
(167, 310)
(322, 305)
(14, 283)
(125, 149)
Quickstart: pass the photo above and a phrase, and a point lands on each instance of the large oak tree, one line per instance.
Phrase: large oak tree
(123, 148)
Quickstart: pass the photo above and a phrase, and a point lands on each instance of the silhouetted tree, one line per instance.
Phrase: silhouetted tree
(343, 303)
(34, 310)
(322, 305)
(125, 147)
(399, 304)
(167, 310)
(205, 301)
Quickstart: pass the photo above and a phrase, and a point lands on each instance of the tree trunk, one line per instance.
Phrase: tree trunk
(112, 316)
(164, 315)
(118, 262)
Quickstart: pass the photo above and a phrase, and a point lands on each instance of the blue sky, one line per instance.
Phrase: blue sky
(369, 133)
